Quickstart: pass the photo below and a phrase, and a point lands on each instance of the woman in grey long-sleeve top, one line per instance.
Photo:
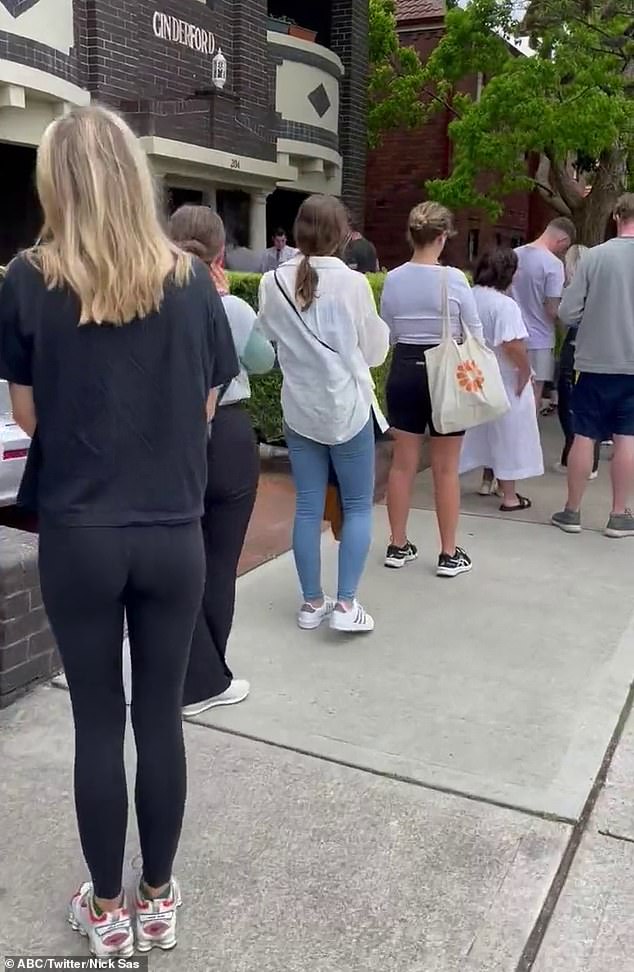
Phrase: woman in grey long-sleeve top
(412, 307)
(234, 468)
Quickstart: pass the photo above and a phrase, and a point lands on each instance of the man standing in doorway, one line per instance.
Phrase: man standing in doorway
(600, 302)
(360, 254)
(537, 288)
(279, 253)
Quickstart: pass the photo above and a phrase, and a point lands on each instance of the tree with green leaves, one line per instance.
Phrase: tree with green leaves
(396, 76)
(568, 105)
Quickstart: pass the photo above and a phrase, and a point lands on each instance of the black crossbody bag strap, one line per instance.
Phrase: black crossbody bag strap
(293, 306)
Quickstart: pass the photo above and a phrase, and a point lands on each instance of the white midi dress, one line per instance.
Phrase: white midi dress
(510, 445)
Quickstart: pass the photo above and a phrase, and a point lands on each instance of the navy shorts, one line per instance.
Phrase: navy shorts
(603, 406)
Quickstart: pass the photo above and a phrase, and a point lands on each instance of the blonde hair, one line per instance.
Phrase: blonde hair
(427, 222)
(102, 236)
(572, 259)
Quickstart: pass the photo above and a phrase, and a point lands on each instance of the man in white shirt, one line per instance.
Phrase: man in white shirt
(279, 253)
(537, 288)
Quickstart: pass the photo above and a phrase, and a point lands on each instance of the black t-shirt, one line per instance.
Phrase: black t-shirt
(361, 255)
(121, 411)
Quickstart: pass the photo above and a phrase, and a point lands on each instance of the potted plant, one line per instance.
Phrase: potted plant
(280, 25)
(302, 33)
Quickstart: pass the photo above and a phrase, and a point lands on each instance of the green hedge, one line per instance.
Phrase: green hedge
(266, 390)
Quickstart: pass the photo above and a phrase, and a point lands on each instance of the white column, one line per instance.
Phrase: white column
(209, 197)
(257, 221)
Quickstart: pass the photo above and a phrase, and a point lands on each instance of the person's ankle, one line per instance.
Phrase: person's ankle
(344, 605)
(313, 604)
(152, 894)
(107, 905)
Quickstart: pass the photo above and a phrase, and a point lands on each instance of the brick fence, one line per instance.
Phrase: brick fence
(27, 647)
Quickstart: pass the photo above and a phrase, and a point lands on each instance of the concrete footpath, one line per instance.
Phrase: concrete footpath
(454, 793)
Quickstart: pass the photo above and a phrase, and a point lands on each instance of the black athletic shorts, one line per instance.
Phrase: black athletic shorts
(408, 400)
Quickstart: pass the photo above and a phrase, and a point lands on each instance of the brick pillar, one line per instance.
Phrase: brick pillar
(27, 647)
(349, 39)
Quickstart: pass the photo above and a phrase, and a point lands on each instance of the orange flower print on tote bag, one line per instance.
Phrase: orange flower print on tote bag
(469, 376)
(465, 383)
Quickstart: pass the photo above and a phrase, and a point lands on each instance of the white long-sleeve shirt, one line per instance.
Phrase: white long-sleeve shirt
(327, 395)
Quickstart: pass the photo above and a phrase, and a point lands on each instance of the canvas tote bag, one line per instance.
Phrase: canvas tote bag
(465, 383)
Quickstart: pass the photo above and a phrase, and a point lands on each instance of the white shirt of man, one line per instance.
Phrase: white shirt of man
(274, 258)
(540, 276)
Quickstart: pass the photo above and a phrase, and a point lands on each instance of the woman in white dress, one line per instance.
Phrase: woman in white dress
(510, 445)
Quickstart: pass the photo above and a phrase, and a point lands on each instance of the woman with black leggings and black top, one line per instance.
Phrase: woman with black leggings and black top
(113, 341)
(234, 468)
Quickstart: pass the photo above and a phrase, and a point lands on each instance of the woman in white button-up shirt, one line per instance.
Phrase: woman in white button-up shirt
(323, 318)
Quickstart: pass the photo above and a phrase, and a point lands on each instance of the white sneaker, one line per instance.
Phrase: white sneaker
(310, 618)
(593, 475)
(110, 933)
(238, 691)
(156, 919)
(354, 621)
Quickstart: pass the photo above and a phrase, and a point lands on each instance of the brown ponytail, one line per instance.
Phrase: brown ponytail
(306, 284)
(321, 229)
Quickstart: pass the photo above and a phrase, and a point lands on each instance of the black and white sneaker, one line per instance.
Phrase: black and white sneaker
(449, 566)
(397, 557)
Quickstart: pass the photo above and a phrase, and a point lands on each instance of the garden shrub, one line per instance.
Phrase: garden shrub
(265, 407)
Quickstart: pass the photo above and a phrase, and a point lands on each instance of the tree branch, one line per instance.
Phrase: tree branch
(564, 184)
(442, 101)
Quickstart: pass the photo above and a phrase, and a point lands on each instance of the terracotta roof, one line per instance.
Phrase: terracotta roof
(408, 10)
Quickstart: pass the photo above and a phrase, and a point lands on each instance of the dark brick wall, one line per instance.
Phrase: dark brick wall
(349, 39)
(120, 61)
(27, 647)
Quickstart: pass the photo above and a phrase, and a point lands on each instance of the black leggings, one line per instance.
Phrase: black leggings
(565, 389)
(89, 577)
(234, 468)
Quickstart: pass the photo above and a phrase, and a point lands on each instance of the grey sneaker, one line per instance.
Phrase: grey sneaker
(620, 525)
(567, 520)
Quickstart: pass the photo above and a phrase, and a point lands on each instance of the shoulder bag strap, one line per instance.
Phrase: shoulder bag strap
(293, 306)
(444, 300)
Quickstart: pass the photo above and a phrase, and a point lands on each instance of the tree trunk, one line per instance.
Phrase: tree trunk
(590, 213)
(592, 217)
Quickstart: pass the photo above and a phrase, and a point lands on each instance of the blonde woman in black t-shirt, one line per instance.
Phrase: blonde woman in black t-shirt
(113, 341)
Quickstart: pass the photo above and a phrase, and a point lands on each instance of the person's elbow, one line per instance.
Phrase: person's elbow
(378, 349)
(23, 407)
(262, 360)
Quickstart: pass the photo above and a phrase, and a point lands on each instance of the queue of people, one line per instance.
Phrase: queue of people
(129, 362)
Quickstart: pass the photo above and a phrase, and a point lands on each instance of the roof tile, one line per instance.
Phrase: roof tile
(408, 10)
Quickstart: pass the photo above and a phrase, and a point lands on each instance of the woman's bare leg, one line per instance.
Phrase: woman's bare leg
(405, 463)
(509, 492)
(445, 458)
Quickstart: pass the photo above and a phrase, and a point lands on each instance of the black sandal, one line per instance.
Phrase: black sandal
(524, 504)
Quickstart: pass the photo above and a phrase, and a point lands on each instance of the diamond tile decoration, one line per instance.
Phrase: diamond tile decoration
(319, 100)
(17, 7)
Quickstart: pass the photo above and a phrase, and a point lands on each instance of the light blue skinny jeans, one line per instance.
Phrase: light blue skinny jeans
(354, 465)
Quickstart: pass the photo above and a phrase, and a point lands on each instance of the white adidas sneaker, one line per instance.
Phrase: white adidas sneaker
(354, 621)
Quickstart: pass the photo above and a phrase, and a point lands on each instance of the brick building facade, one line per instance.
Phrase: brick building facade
(406, 160)
(290, 119)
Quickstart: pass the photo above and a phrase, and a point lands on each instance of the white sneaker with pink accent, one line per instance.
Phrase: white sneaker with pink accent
(109, 933)
(156, 919)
